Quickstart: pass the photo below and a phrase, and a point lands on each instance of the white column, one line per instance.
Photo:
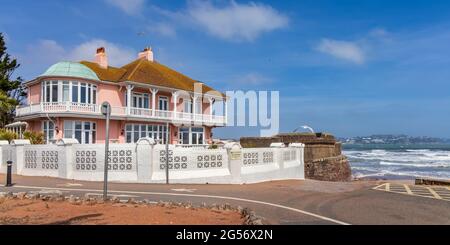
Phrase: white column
(194, 107)
(226, 111)
(129, 89)
(174, 99)
(153, 91)
(211, 103)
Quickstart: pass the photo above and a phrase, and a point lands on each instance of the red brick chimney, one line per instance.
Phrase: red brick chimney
(147, 54)
(101, 59)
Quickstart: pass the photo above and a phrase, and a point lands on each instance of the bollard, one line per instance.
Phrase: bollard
(9, 174)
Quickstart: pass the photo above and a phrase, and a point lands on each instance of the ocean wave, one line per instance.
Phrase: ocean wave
(415, 174)
(417, 165)
(410, 162)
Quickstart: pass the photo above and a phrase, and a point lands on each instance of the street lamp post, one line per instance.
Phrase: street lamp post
(167, 153)
(106, 110)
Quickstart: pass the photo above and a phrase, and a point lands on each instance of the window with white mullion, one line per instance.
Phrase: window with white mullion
(133, 132)
(187, 106)
(48, 128)
(140, 100)
(83, 131)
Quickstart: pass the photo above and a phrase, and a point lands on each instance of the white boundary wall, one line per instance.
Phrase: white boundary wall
(146, 163)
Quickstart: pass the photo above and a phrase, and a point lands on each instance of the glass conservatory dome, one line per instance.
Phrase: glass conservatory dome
(70, 69)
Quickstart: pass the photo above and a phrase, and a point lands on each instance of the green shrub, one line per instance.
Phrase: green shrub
(35, 138)
(7, 135)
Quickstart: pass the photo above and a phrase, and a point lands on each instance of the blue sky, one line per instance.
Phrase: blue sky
(348, 67)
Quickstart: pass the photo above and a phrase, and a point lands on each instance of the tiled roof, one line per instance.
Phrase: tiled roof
(146, 72)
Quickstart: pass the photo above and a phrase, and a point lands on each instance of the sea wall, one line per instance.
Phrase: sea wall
(323, 155)
(146, 162)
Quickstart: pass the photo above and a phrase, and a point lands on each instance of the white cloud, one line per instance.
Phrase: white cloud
(162, 29)
(130, 7)
(378, 32)
(47, 52)
(235, 21)
(349, 51)
(254, 78)
(117, 55)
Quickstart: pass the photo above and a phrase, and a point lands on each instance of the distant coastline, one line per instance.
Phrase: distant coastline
(432, 146)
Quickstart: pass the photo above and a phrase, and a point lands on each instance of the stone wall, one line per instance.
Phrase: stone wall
(323, 155)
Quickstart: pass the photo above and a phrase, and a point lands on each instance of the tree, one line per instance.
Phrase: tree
(11, 89)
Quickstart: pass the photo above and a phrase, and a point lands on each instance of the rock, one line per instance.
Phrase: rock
(21, 195)
(131, 200)
(51, 192)
(52, 198)
(32, 195)
(115, 199)
(72, 199)
(60, 199)
(258, 222)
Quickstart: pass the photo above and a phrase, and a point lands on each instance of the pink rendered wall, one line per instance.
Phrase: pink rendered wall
(111, 93)
(34, 94)
(208, 135)
(35, 126)
(115, 131)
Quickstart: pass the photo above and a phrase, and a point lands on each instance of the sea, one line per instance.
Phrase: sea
(384, 161)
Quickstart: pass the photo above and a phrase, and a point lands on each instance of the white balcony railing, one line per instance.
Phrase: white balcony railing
(82, 108)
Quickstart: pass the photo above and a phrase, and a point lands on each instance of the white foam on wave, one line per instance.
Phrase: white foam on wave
(418, 163)
(382, 173)
(442, 157)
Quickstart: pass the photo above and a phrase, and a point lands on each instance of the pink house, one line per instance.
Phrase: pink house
(146, 96)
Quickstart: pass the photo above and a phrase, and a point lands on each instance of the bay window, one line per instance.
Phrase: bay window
(66, 91)
(69, 91)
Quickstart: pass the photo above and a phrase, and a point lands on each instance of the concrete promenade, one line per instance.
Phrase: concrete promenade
(278, 202)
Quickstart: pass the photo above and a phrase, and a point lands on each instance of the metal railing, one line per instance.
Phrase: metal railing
(118, 111)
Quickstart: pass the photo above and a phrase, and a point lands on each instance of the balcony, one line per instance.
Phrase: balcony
(118, 113)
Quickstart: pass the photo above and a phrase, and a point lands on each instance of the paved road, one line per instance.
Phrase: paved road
(279, 202)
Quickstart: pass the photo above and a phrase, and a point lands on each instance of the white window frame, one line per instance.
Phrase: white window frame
(164, 99)
(91, 91)
(92, 131)
(46, 130)
(141, 97)
(149, 131)
(188, 106)
(181, 137)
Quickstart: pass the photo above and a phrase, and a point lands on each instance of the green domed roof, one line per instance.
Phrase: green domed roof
(70, 69)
